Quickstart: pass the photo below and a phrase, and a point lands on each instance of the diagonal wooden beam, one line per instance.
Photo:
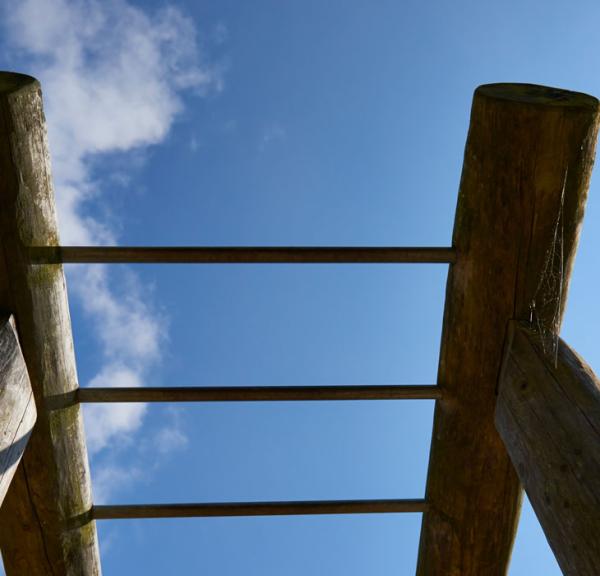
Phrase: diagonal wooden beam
(44, 529)
(17, 406)
(548, 415)
(526, 172)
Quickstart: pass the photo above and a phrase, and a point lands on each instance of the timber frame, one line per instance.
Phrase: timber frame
(514, 405)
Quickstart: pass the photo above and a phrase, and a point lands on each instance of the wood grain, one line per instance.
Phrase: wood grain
(548, 414)
(43, 526)
(17, 406)
(527, 166)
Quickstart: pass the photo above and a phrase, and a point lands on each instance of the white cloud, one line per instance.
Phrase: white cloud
(106, 423)
(117, 471)
(130, 332)
(171, 437)
(112, 76)
(110, 477)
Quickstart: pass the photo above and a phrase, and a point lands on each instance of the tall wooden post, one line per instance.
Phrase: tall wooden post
(44, 520)
(526, 171)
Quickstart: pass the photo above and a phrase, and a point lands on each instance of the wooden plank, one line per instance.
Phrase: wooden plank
(17, 406)
(44, 525)
(238, 255)
(548, 415)
(526, 171)
(138, 511)
(256, 393)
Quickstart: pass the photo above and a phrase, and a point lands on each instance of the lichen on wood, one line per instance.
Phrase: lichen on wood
(52, 485)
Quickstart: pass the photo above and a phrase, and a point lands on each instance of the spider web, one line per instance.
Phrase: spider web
(546, 304)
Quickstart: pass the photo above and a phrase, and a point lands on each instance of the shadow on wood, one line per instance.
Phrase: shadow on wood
(548, 415)
(527, 165)
(17, 406)
(52, 483)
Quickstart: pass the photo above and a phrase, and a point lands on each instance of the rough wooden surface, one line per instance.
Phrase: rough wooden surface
(44, 525)
(526, 145)
(17, 406)
(548, 414)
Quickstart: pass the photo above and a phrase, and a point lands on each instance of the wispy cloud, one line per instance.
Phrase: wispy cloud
(220, 33)
(111, 475)
(107, 422)
(113, 77)
(171, 437)
(194, 143)
(272, 133)
(126, 470)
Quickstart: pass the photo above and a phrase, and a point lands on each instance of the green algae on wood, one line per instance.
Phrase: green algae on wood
(51, 487)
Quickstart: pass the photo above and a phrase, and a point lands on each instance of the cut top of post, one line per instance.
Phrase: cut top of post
(12, 82)
(538, 96)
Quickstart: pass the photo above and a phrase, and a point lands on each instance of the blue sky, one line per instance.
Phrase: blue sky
(276, 123)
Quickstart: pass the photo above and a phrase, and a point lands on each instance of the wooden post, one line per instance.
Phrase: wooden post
(548, 414)
(17, 406)
(44, 520)
(526, 171)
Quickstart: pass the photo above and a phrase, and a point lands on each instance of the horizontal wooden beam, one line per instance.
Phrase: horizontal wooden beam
(17, 405)
(548, 415)
(525, 177)
(237, 255)
(257, 393)
(137, 511)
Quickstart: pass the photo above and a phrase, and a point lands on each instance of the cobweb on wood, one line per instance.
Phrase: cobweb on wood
(546, 304)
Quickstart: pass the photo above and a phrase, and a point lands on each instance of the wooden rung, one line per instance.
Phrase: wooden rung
(137, 511)
(257, 393)
(237, 255)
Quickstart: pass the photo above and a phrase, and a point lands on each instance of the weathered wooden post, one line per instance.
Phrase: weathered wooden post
(17, 406)
(548, 415)
(526, 171)
(44, 520)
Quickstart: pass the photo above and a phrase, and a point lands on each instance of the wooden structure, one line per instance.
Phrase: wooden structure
(526, 172)
(548, 415)
(44, 521)
(17, 407)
